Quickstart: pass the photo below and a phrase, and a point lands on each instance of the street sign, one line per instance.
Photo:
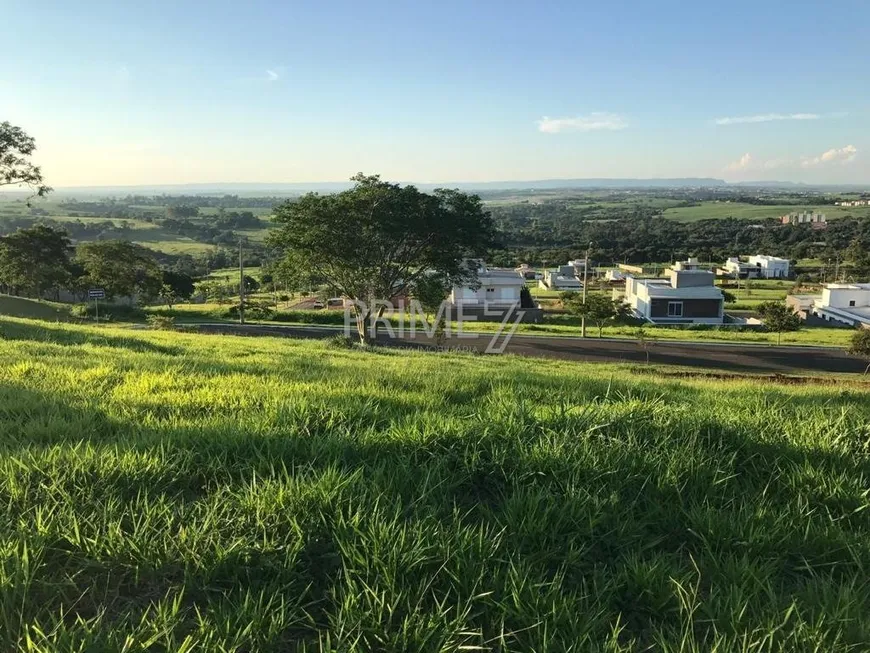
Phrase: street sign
(96, 293)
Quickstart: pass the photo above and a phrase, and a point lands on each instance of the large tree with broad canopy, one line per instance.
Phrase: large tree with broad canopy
(378, 240)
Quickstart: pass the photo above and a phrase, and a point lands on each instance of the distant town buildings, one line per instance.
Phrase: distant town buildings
(815, 220)
(686, 297)
(853, 203)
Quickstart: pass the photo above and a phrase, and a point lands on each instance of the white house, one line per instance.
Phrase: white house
(528, 272)
(495, 287)
(770, 267)
(692, 263)
(687, 297)
(847, 303)
(565, 277)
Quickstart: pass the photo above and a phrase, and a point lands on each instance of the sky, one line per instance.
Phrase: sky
(124, 93)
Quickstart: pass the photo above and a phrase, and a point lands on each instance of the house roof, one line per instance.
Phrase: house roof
(661, 288)
(491, 277)
(848, 286)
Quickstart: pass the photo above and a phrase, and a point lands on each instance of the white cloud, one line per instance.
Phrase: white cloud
(835, 155)
(742, 163)
(589, 122)
(766, 117)
(272, 76)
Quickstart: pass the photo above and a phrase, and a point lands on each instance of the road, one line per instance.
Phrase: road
(747, 358)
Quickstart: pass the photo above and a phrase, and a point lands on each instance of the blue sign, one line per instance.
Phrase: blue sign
(96, 293)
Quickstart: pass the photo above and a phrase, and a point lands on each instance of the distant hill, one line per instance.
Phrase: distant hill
(333, 186)
(291, 189)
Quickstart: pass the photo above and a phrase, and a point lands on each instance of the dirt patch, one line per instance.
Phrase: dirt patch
(782, 379)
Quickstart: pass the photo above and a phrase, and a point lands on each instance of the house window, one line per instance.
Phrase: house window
(675, 309)
(489, 290)
(851, 302)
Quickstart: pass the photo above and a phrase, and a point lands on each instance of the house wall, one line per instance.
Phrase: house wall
(840, 297)
(692, 308)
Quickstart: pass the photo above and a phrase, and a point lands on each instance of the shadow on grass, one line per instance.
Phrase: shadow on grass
(63, 335)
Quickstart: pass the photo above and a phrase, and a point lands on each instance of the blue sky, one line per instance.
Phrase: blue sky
(182, 92)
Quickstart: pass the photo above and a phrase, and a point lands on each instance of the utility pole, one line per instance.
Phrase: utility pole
(241, 285)
(585, 279)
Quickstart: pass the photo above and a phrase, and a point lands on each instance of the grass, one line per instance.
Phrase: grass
(168, 491)
(707, 210)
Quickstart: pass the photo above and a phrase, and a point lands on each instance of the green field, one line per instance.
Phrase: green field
(708, 210)
(175, 492)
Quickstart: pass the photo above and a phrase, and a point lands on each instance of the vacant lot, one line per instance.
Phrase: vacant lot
(179, 492)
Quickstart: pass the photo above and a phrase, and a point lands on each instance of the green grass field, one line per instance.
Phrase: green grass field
(707, 210)
(174, 492)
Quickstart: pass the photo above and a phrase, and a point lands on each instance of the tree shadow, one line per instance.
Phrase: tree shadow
(64, 336)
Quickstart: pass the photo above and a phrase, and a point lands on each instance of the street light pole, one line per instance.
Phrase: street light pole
(585, 278)
(241, 285)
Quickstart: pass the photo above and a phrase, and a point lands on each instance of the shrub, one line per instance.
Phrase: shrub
(340, 341)
(109, 313)
(254, 310)
(161, 322)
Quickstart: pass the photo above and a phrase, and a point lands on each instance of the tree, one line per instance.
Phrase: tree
(779, 318)
(179, 283)
(860, 346)
(598, 309)
(16, 148)
(34, 260)
(431, 291)
(377, 240)
(120, 268)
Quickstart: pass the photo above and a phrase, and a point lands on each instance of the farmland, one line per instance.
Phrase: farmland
(185, 492)
(727, 209)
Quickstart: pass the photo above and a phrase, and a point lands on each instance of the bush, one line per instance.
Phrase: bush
(161, 322)
(254, 310)
(109, 313)
(311, 317)
(340, 341)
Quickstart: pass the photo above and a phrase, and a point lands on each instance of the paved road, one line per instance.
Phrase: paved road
(710, 355)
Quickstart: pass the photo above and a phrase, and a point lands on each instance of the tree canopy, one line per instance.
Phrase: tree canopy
(16, 168)
(120, 268)
(778, 318)
(378, 239)
(34, 260)
(598, 309)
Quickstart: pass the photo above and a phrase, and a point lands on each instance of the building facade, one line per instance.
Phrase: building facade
(686, 297)
(844, 303)
(770, 267)
(495, 287)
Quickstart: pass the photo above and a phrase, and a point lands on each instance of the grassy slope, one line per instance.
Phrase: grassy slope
(30, 308)
(260, 494)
